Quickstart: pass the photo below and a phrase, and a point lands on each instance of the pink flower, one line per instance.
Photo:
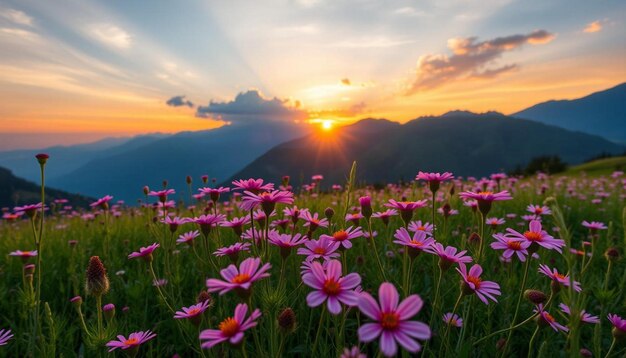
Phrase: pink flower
(511, 246)
(385, 215)
(239, 279)
(537, 237)
(584, 316)
(330, 287)
(233, 250)
(434, 179)
(174, 222)
(232, 328)
(419, 226)
(558, 278)
(619, 325)
(144, 252)
(162, 194)
(102, 202)
(133, 342)
(546, 318)
(448, 255)
(214, 193)
(485, 198)
(324, 248)
(594, 225)
(236, 224)
(418, 243)
(188, 237)
(343, 237)
(406, 208)
(193, 313)
(453, 320)
(355, 218)
(25, 255)
(207, 222)
(267, 200)
(538, 210)
(29, 209)
(473, 284)
(5, 336)
(253, 185)
(353, 352)
(392, 320)
(494, 222)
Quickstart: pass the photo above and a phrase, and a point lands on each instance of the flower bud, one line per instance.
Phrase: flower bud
(287, 320)
(204, 296)
(146, 190)
(188, 180)
(285, 180)
(366, 206)
(584, 352)
(29, 269)
(165, 184)
(474, 239)
(329, 213)
(97, 282)
(76, 301)
(42, 158)
(612, 254)
(535, 296)
(500, 343)
(109, 311)
(205, 179)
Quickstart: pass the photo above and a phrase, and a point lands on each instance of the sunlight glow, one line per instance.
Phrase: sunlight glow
(327, 124)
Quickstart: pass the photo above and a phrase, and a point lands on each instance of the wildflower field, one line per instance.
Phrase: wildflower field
(438, 267)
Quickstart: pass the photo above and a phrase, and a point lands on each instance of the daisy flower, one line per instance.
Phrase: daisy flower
(448, 255)
(285, 241)
(343, 237)
(214, 193)
(330, 287)
(102, 202)
(267, 200)
(453, 320)
(406, 208)
(174, 222)
(558, 278)
(385, 215)
(5, 336)
(162, 194)
(353, 352)
(30, 209)
(416, 244)
(619, 325)
(584, 316)
(188, 237)
(537, 237)
(392, 322)
(252, 185)
(472, 283)
(208, 221)
(236, 224)
(426, 227)
(594, 226)
(233, 250)
(511, 246)
(324, 248)
(538, 210)
(144, 252)
(355, 218)
(485, 198)
(240, 279)
(132, 343)
(434, 179)
(193, 313)
(494, 222)
(313, 221)
(544, 318)
(25, 255)
(231, 329)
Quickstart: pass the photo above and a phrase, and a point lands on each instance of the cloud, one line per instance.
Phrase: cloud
(251, 106)
(17, 17)
(178, 101)
(352, 111)
(345, 81)
(409, 11)
(111, 35)
(591, 27)
(471, 59)
(372, 42)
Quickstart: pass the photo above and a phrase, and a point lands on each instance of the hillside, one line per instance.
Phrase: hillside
(604, 166)
(17, 191)
(601, 113)
(461, 142)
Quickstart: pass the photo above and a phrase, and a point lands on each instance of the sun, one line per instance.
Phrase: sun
(327, 125)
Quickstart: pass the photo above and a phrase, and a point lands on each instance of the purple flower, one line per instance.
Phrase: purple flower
(511, 246)
(419, 226)
(418, 243)
(453, 320)
(133, 342)
(193, 313)
(144, 252)
(594, 225)
(253, 185)
(392, 323)
(188, 237)
(558, 277)
(330, 287)
(232, 328)
(448, 255)
(546, 318)
(537, 237)
(267, 200)
(5, 336)
(343, 237)
(584, 316)
(102, 202)
(472, 283)
(240, 279)
(324, 248)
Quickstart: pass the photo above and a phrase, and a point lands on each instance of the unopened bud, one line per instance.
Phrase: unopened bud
(366, 206)
(474, 239)
(97, 282)
(42, 158)
(329, 213)
(287, 320)
(535, 296)
(29, 269)
(612, 254)
(76, 301)
(584, 352)
(109, 311)
(146, 190)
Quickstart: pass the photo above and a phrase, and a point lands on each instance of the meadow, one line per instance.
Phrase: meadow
(438, 267)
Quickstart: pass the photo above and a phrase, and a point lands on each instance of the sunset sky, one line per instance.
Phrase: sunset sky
(77, 70)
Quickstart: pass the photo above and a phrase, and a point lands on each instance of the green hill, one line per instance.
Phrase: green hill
(599, 167)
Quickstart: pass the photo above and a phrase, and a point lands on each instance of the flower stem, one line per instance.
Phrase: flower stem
(156, 284)
(532, 341)
(445, 337)
(519, 301)
(319, 330)
(380, 265)
(610, 348)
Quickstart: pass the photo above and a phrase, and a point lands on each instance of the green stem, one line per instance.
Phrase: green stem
(99, 310)
(610, 348)
(519, 301)
(445, 339)
(319, 329)
(373, 241)
(607, 276)
(482, 237)
(532, 341)
(155, 281)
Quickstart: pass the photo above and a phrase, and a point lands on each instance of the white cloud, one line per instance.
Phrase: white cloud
(17, 17)
(372, 42)
(111, 35)
(409, 11)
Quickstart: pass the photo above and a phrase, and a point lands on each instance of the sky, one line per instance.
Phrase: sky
(74, 71)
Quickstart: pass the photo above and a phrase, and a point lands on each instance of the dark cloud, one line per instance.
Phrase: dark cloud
(471, 59)
(178, 101)
(251, 106)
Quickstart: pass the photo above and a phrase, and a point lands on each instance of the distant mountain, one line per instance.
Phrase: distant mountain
(218, 152)
(601, 113)
(65, 159)
(17, 191)
(464, 143)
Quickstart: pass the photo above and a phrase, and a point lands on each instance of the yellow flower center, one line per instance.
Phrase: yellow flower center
(532, 236)
(514, 245)
(340, 235)
(241, 278)
(131, 341)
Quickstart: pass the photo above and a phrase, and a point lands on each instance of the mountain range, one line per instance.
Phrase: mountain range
(463, 142)
(601, 113)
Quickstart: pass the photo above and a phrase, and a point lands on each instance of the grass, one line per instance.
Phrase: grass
(140, 307)
(598, 167)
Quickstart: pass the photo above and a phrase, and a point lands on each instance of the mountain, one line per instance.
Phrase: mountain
(17, 191)
(601, 113)
(65, 159)
(476, 144)
(217, 152)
